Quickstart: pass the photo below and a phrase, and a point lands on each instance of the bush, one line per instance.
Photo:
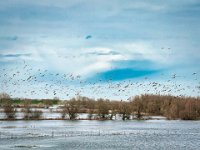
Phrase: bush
(7, 105)
(36, 114)
(71, 109)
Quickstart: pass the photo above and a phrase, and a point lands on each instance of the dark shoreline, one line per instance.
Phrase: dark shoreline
(78, 119)
(54, 119)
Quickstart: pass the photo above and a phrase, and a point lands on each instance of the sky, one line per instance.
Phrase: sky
(98, 48)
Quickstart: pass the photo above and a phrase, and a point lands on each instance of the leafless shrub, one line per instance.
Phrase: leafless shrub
(71, 109)
(7, 105)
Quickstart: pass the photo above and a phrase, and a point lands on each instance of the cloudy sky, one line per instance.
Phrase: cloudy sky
(99, 48)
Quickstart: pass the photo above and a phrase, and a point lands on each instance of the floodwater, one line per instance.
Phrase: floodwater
(113, 135)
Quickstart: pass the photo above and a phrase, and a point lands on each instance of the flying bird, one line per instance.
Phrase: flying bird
(88, 37)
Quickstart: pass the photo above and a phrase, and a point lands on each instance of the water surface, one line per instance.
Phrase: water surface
(85, 134)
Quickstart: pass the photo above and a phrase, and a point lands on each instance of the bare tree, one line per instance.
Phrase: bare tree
(113, 106)
(103, 108)
(125, 110)
(71, 109)
(27, 109)
(36, 114)
(7, 104)
(30, 114)
(138, 107)
(91, 108)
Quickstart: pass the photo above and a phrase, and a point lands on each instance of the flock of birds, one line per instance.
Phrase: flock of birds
(14, 81)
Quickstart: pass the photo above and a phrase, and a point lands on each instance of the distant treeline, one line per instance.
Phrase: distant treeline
(44, 102)
(171, 107)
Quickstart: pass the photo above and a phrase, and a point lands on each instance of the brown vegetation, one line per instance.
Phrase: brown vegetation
(30, 114)
(186, 108)
(171, 107)
(70, 108)
(7, 105)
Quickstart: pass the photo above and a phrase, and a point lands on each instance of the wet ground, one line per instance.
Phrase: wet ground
(85, 134)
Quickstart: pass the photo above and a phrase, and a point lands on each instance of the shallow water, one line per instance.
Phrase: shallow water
(58, 134)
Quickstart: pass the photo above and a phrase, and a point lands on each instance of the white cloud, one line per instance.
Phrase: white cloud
(88, 61)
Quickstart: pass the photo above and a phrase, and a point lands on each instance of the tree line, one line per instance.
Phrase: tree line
(138, 107)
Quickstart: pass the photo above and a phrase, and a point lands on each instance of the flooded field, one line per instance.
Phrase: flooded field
(54, 134)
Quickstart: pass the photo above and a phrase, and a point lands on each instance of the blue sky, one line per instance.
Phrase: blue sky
(89, 47)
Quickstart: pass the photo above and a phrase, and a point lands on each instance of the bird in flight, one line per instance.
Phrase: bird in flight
(88, 37)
